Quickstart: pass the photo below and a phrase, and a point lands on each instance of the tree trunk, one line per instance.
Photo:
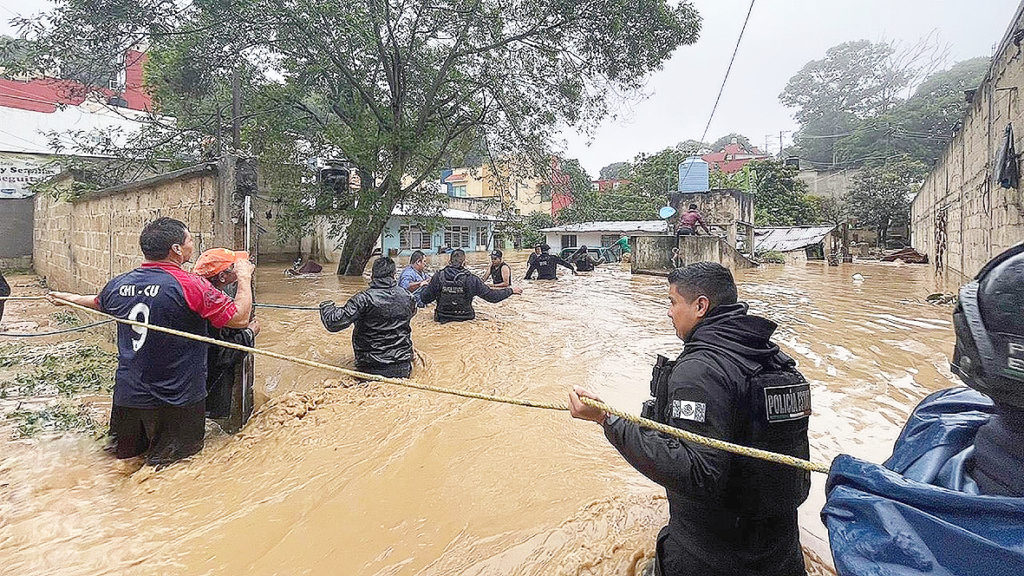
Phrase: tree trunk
(360, 240)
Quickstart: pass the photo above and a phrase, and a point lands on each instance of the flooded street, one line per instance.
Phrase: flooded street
(330, 478)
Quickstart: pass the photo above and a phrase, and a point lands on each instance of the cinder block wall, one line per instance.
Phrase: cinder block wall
(961, 217)
(80, 245)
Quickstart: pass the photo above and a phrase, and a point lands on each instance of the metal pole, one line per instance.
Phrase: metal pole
(248, 369)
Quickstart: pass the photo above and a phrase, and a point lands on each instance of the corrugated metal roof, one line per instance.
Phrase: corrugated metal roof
(451, 214)
(624, 227)
(789, 238)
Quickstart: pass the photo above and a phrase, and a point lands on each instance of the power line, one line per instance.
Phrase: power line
(722, 87)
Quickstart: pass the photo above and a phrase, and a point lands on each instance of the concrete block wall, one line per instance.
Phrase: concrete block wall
(653, 253)
(961, 217)
(80, 245)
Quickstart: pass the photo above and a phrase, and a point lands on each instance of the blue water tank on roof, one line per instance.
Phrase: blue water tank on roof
(694, 175)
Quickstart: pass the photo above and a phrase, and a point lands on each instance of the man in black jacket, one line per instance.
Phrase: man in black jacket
(454, 288)
(382, 337)
(729, 514)
(546, 265)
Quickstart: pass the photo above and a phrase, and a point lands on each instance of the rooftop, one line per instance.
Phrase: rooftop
(789, 238)
(623, 227)
(451, 214)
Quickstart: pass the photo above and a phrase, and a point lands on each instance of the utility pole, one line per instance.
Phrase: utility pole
(766, 137)
(236, 109)
(781, 132)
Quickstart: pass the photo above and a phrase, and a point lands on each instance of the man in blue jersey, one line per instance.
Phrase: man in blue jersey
(160, 385)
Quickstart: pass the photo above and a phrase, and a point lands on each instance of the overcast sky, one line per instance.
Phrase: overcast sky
(781, 37)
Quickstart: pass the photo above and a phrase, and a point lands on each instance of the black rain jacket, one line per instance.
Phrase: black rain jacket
(381, 314)
(708, 531)
(546, 266)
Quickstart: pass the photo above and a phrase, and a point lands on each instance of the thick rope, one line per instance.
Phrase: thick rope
(54, 333)
(711, 442)
(286, 307)
(663, 428)
(3, 298)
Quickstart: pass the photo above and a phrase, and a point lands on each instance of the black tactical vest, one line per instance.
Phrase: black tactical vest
(496, 274)
(773, 416)
(455, 301)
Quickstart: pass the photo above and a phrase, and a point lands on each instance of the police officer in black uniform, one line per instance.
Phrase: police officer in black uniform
(546, 265)
(454, 288)
(989, 357)
(730, 515)
(583, 260)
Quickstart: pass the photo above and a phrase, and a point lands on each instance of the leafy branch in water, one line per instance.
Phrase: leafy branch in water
(48, 383)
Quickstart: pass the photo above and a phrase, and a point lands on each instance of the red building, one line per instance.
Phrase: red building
(732, 158)
(46, 94)
(608, 184)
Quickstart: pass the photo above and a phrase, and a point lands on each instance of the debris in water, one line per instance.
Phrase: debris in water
(858, 277)
(941, 298)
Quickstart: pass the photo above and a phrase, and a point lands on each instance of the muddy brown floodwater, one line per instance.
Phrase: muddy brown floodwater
(376, 480)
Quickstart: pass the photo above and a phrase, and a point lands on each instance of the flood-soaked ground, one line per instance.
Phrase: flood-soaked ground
(371, 480)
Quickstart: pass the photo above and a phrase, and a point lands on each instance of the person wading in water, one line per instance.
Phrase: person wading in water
(500, 273)
(218, 266)
(454, 288)
(159, 403)
(382, 337)
(546, 265)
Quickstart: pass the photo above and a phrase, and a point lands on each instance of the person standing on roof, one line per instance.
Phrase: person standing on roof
(728, 514)
(500, 273)
(546, 265)
(382, 337)
(218, 265)
(454, 288)
(159, 403)
(688, 222)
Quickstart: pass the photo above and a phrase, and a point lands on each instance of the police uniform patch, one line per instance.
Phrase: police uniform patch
(686, 410)
(1015, 358)
(784, 403)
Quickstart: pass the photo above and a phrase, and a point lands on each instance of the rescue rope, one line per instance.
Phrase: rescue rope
(286, 307)
(278, 306)
(55, 332)
(2, 298)
(644, 422)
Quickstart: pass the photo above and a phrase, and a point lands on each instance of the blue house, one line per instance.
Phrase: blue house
(470, 231)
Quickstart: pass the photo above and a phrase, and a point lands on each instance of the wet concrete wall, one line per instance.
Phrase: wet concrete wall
(81, 244)
(961, 217)
(15, 233)
(654, 253)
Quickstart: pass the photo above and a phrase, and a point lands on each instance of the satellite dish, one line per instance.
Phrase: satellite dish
(666, 212)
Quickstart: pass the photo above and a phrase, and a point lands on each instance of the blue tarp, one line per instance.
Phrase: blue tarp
(920, 513)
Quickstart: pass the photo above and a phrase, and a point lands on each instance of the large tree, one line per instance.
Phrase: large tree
(392, 87)
(780, 199)
(615, 171)
(921, 126)
(881, 195)
(854, 82)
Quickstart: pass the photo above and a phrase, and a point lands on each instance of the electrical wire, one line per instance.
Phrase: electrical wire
(721, 88)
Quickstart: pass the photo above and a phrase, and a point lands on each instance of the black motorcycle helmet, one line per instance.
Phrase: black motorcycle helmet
(989, 325)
